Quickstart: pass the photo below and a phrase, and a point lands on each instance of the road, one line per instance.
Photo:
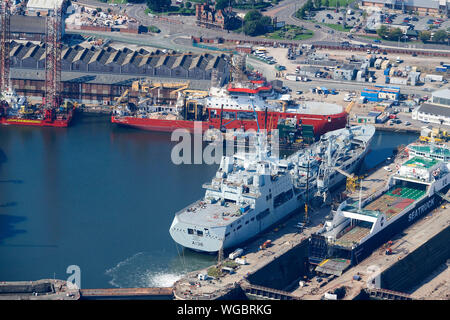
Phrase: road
(180, 26)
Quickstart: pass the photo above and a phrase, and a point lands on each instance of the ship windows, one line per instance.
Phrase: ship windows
(246, 222)
(227, 234)
(238, 227)
(213, 114)
(282, 198)
(200, 233)
(229, 115)
(263, 214)
(246, 115)
(190, 231)
(252, 219)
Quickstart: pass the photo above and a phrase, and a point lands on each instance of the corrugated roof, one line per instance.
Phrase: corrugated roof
(444, 93)
(44, 4)
(435, 109)
(27, 24)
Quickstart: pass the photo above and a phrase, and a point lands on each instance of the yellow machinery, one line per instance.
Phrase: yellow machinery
(428, 134)
(349, 107)
(119, 99)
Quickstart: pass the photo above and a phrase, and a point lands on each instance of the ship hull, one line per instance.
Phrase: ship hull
(159, 125)
(320, 123)
(58, 123)
(250, 231)
(362, 251)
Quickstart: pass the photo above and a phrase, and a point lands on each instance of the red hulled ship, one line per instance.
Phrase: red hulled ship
(250, 105)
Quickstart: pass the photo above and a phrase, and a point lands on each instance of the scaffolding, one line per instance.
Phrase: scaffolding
(5, 46)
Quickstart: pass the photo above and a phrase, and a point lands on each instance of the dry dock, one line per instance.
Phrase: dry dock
(274, 273)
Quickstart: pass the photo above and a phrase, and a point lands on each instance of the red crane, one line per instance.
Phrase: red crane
(5, 46)
(52, 99)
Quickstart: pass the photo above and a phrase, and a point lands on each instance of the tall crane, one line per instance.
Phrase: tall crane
(5, 46)
(52, 99)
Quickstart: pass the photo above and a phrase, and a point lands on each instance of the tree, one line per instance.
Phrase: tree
(309, 5)
(317, 4)
(252, 15)
(440, 36)
(254, 28)
(301, 13)
(382, 31)
(395, 34)
(425, 35)
(158, 5)
(222, 4)
(188, 5)
(326, 3)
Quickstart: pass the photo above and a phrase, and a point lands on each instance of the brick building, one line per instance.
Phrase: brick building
(208, 16)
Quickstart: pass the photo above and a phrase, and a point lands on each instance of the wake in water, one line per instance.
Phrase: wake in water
(156, 269)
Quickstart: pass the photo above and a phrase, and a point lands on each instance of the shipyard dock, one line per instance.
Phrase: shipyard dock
(282, 271)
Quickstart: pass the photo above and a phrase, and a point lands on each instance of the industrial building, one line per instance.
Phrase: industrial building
(346, 72)
(44, 7)
(441, 97)
(380, 93)
(27, 28)
(108, 60)
(436, 112)
(421, 6)
(86, 88)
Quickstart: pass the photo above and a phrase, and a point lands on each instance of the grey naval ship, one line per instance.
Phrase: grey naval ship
(253, 190)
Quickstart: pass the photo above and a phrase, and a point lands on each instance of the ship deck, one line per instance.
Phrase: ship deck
(395, 200)
(353, 235)
(209, 214)
(391, 203)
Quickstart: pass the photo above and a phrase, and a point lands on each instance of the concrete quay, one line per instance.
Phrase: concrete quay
(45, 289)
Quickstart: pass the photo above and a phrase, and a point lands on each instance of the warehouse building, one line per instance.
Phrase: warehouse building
(421, 6)
(108, 60)
(87, 88)
(44, 7)
(436, 112)
(441, 97)
(346, 72)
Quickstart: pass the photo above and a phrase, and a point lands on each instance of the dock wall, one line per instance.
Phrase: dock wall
(285, 269)
(417, 265)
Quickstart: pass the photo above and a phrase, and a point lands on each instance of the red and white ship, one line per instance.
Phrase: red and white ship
(251, 105)
(15, 110)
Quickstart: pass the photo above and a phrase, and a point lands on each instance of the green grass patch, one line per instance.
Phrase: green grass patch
(337, 27)
(342, 3)
(172, 10)
(214, 272)
(290, 32)
(154, 29)
(230, 264)
(248, 6)
(118, 1)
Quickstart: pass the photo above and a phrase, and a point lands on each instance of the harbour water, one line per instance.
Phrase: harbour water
(102, 197)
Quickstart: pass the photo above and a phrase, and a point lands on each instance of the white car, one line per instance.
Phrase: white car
(387, 169)
(347, 99)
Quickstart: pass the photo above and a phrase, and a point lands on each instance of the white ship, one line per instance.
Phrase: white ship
(253, 191)
(359, 227)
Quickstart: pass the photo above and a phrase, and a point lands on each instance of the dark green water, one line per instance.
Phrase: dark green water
(102, 197)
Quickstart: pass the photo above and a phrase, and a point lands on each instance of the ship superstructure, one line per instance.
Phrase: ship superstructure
(252, 191)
